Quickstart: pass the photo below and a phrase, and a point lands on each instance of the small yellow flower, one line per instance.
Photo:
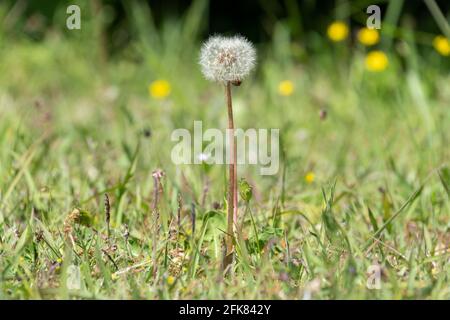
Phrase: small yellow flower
(442, 45)
(376, 61)
(286, 88)
(368, 37)
(59, 260)
(310, 177)
(114, 276)
(337, 31)
(170, 280)
(159, 89)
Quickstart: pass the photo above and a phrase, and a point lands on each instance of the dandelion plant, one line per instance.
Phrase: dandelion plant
(228, 60)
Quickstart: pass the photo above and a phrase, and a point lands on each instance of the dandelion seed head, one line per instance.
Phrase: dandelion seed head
(224, 59)
(203, 156)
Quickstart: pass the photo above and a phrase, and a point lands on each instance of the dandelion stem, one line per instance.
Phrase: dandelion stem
(157, 174)
(235, 188)
(232, 187)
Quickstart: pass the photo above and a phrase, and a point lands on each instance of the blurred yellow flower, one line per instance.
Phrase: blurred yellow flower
(286, 88)
(310, 177)
(368, 37)
(170, 280)
(376, 61)
(159, 89)
(442, 45)
(337, 31)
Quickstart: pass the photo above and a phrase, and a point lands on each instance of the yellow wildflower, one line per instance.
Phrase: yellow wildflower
(159, 89)
(368, 37)
(286, 88)
(442, 45)
(170, 280)
(376, 61)
(114, 276)
(337, 31)
(310, 177)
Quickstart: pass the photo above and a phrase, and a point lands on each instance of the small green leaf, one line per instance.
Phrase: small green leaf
(444, 176)
(245, 190)
(373, 221)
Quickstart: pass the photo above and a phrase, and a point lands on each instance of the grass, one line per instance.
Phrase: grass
(74, 127)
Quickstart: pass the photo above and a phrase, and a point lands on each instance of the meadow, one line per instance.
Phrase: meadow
(92, 207)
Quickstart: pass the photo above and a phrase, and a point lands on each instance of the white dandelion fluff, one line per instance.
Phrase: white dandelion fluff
(224, 59)
(203, 157)
(228, 60)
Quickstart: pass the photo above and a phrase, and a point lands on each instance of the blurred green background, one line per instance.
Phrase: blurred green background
(87, 112)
